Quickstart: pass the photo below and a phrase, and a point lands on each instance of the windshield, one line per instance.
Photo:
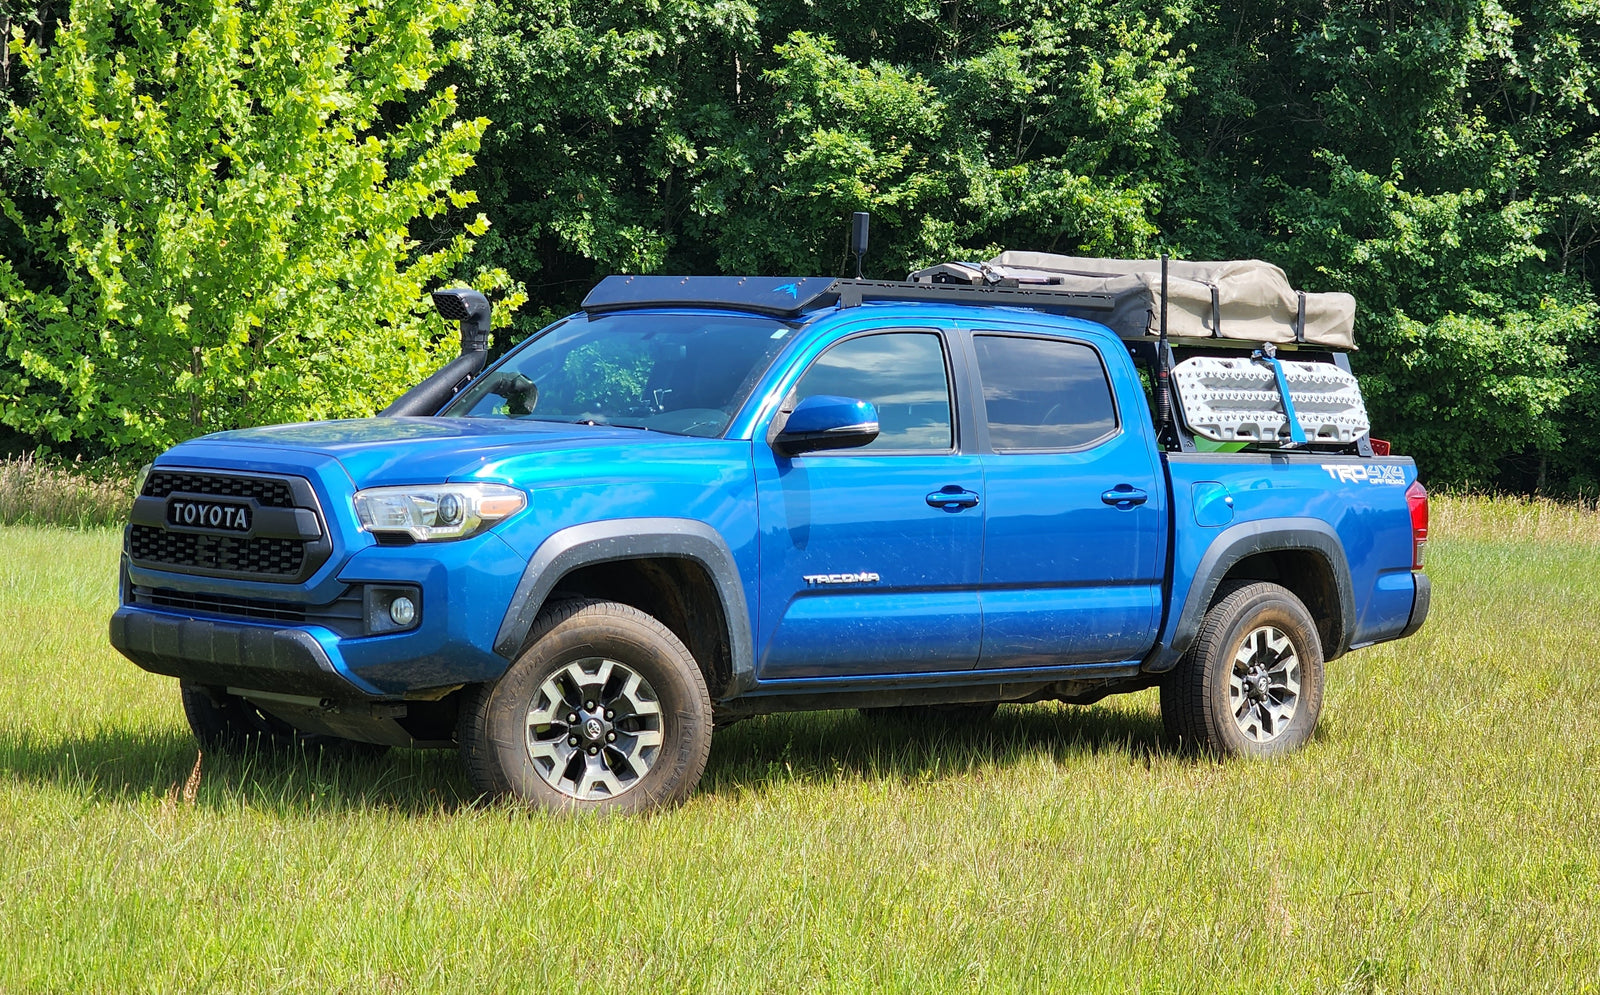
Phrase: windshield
(679, 373)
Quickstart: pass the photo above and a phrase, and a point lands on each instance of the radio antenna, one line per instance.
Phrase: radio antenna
(860, 221)
(1163, 373)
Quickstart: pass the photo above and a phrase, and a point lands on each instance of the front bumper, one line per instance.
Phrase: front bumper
(464, 589)
(233, 654)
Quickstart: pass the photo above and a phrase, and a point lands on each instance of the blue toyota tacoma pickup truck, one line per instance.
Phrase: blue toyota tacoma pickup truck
(699, 499)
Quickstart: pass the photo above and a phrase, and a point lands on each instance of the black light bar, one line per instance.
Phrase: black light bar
(780, 296)
(787, 297)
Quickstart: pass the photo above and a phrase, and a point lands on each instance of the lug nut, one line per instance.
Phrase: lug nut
(610, 714)
(573, 741)
(611, 737)
(589, 705)
(593, 750)
(573, 717)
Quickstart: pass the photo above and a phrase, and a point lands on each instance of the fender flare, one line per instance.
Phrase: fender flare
(1247, 539)
(631, 539)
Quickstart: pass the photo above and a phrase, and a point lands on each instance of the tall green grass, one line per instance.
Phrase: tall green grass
(1441, 834)
(75, 495)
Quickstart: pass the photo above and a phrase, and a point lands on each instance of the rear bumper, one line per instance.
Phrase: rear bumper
(1419, 604)
(230, 654)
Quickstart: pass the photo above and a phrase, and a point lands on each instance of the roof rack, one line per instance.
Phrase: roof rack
(1131, 314)
(788, 297)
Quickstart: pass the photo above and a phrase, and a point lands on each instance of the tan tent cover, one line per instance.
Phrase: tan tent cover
(1254, 298)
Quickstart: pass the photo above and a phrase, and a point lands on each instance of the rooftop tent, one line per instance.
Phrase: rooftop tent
(1236, 299)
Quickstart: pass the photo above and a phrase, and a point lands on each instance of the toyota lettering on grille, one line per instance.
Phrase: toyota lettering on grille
(208, 515)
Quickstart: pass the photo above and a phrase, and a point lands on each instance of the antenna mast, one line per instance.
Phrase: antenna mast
(1163, 370)
(859, 222)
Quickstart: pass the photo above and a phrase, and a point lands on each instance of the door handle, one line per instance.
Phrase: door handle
(1124, 496)
(952, 496)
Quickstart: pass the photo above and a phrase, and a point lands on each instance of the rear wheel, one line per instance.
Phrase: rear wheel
(1251, 684)
(234, 725)
(606, 710)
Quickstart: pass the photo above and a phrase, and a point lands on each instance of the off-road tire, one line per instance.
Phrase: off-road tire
(497, 734)
(964, 713)
(233, 725)
(1200, 703)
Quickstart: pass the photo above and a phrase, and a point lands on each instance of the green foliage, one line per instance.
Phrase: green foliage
(713, 135)
(246, 201)
(1439, 161)
(606, 375)
(1469, 344)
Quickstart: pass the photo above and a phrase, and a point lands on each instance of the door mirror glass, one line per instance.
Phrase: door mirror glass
(825, 421)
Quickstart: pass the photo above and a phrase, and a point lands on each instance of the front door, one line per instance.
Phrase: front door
(1073, 554)
(870, 557)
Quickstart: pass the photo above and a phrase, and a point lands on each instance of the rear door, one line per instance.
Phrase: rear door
(1075, 518)
(870, 556)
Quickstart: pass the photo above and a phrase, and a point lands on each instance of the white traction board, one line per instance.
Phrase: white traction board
(1237, 400)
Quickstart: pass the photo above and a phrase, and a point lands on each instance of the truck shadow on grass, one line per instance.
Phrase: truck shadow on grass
(167, 767)
(829, 746)
(164, 766)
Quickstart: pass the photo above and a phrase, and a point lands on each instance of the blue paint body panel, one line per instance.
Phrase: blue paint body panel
(1063, 564)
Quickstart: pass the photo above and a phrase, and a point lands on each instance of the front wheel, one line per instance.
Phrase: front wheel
(1251, 684)
(606, 710)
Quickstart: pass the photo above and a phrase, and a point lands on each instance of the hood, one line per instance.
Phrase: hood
(411, 450)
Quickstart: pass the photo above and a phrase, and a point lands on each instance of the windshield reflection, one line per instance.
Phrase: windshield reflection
(678, 373)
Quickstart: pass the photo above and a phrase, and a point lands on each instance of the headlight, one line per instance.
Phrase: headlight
(429, 512)
(140, 478)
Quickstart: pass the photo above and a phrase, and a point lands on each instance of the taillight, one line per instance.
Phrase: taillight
(1417, 502)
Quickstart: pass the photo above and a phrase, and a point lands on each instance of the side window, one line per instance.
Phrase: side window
(1043, 393)
(903, 374)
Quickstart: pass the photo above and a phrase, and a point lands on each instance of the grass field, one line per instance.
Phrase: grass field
(1440, 835)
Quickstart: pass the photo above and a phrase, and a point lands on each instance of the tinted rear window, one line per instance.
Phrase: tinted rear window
(1043, 393)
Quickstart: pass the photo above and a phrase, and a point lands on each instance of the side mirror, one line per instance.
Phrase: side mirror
(823, 421)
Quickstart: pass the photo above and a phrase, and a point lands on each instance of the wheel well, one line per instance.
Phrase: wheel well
(677, 592)
(1310, 577)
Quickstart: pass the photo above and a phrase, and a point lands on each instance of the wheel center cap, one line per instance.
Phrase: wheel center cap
(594, 730)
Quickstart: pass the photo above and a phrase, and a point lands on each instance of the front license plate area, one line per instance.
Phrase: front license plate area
(210, 516)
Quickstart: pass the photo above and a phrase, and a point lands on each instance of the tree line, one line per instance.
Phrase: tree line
(223, 212)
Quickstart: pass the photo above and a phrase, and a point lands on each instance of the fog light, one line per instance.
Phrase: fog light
(402, 611)
(391, 608)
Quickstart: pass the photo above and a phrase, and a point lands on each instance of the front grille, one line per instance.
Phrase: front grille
(343, 615)
(269, 492)
(285, 544)
(282, 557)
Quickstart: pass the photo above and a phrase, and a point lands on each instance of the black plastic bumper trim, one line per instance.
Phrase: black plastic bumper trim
(221, 654)
(1419, 604)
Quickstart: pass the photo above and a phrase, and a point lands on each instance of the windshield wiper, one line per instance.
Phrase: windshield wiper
(588, 421)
